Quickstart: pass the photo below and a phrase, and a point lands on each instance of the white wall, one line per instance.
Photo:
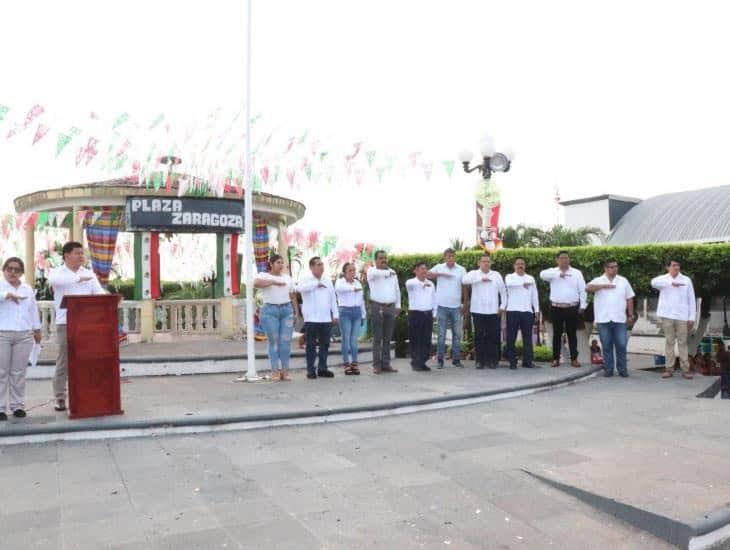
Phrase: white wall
(587, 214)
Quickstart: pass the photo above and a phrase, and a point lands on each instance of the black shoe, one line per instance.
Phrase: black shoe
(440, 364)
(19, 413)
(3, 416)
(325, 373)
(457, 363)
(607, 374)
(513, 367)
(421, 368)
(530, 366)
(623, 374)
(480, 366)
(60, 405)
(492, 365)
(312, 375)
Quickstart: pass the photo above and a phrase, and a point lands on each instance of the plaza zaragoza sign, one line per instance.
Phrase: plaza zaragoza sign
(184, 215)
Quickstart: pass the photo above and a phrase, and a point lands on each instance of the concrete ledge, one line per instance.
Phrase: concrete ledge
(111, 424)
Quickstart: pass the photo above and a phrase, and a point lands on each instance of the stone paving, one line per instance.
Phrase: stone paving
(441, 479)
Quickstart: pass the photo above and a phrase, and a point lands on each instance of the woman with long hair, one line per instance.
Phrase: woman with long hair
(277, 315)
(20, 325)
(352, 312)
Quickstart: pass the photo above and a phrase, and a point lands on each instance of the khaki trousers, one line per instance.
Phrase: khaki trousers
(61, 374)
(675, 330)
(15, 346)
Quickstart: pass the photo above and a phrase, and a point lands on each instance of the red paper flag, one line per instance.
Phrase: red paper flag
(40, 132)
(265, 174)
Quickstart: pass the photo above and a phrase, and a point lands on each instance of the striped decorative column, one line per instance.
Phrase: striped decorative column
(146, 266)
(228, 278)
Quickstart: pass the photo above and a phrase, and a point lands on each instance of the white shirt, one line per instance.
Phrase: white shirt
(421, 295)
(520, 298)
(319, 304)
(383, 285)
(609, 304)
(448, 287)
(21, 316)
(275, 294)
(675, 302)
(570, 289)
(486, 297)
(350, 294)
(66, 283)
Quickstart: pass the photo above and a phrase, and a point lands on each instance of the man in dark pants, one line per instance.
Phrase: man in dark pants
(384, 308)
(522, 305)
(319, 308)
(567, 303)
(488, 300)
(421, 306)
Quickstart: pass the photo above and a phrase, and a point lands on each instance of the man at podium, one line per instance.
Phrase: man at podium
(72, 278)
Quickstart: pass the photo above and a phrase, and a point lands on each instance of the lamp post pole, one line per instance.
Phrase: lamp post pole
(251, 375)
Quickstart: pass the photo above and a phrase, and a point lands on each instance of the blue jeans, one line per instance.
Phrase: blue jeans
(449, 316)
(350, 323)
(520, 321)
(613, 335)
(278, 323)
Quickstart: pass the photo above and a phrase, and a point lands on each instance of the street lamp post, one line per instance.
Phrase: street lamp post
(491, 160)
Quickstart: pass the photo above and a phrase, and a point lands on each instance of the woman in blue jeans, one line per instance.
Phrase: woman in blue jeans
(352, 312)
(277, 315)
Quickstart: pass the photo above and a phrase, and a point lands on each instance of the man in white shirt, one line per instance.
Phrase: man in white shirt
(613, 299)
(522, 306)
(488, 300)
(384, 308)
(567, 302)
(70, 279)
(677, 311)
(319, 308)
(450, 311)
(421, 306)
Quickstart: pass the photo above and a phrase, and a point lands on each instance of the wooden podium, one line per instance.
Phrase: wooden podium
(93, 355)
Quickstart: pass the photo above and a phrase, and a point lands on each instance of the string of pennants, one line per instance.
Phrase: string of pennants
(40, 220)
(211, 148)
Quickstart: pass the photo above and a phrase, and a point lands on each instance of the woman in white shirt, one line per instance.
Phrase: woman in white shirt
(352, 312)
(277, 315)
(20, 325)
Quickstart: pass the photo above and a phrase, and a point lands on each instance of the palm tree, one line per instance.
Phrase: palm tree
(525, 236)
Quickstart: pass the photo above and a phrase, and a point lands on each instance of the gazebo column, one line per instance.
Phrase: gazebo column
(281, 243)
(30, 255)
(227, 280)
(77, 228)
(146, 280)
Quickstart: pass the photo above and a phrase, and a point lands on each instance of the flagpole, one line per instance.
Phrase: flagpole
(250, 375)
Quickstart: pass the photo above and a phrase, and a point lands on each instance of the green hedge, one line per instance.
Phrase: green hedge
(170, 290)
(707, 264)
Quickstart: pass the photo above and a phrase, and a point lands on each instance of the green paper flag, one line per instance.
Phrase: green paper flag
(308, 171)
(120, 162)
(379, 172)
(323, 155)
(157, 180)
(61, 142)
(121, 119)
(42, 219)
(74, 131)
(449, 166)
(371, 158)
(157, 121)
(3, 111)
(328, 244)
(304, 136)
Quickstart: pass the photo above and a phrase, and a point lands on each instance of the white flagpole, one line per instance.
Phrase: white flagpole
(250, 375)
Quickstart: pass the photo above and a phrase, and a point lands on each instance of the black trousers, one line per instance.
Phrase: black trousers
(420, 325)
(486, 338)
(565, 319)
(317, 335)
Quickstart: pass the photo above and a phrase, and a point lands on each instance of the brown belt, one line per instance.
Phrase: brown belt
(563, 306)
(381, 304)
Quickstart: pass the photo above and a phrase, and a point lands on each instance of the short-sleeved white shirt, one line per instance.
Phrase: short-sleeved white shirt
(275, 294)
(609, 304)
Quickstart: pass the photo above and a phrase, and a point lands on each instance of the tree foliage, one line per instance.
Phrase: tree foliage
(526, 236)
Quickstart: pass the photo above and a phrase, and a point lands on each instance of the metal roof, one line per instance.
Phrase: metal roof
(599, 198)
(687, 217)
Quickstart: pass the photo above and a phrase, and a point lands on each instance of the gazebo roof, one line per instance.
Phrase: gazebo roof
(114, 192)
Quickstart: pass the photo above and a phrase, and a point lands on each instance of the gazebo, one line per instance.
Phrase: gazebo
(101, 209)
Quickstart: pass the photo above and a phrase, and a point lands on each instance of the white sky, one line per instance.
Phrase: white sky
(624, 97)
